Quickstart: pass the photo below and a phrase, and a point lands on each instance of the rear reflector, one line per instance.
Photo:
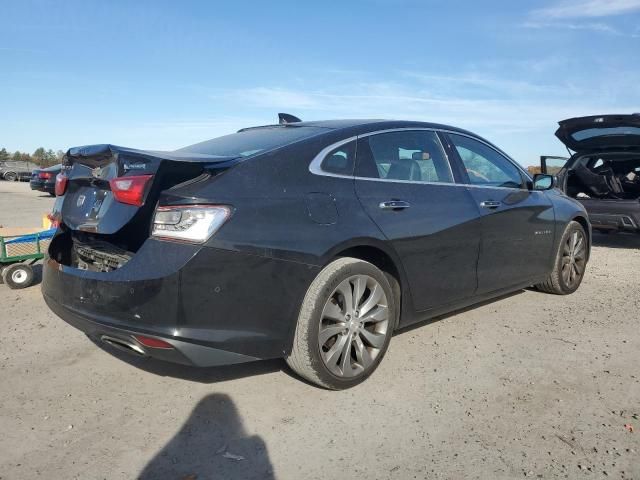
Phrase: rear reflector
(152, 342)
(130, 190)
(61, 184)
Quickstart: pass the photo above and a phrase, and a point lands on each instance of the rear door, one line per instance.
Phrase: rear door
(517, 223)
(405, 184)
(551, 165)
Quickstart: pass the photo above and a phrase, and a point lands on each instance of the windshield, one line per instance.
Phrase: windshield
(250, 142)
(603, 132)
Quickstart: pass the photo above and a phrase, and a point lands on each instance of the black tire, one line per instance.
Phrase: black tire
(11, 177)
(559, 282)
(309, 359)
(17, 276)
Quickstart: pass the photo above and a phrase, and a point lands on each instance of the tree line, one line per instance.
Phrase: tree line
(41, 157)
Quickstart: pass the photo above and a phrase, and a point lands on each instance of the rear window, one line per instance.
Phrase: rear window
(604, 132)
(250, 142)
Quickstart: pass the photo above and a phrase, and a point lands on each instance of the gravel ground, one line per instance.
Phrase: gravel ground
(532, 385)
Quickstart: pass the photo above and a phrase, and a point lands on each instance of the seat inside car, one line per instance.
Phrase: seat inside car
(405, 169)
(596, 184)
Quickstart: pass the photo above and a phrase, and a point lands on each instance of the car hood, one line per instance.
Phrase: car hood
(600, 132)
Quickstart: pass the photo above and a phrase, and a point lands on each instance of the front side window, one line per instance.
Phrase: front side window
(484, 165)
(412, 155)
(340, 160)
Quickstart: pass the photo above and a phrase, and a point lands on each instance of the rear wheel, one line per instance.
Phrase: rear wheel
(11, 176)
(18, 275)
(345, 325)
(570, 263)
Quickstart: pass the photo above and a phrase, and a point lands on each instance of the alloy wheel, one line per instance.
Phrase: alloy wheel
(354, 326)
(574, 258)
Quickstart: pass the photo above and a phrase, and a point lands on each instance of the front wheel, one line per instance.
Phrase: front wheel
(345, 325)
(570, 263)
(11, 177)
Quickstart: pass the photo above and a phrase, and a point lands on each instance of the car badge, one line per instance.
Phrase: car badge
(80, 201)
(95, 173)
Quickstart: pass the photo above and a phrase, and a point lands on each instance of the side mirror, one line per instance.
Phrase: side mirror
(543, 182)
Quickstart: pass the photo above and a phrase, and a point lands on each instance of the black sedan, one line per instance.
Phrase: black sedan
(44, 180)
(309, 241)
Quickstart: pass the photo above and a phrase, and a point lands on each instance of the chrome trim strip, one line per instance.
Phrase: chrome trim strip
(314, 166)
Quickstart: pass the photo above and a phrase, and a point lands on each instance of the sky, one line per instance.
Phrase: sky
(165, 74)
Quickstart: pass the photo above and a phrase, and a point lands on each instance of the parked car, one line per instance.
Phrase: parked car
(604, 172)
(44, 180)
(16, 171)
(312, 241)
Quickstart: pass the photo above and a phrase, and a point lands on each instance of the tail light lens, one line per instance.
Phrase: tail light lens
(45, 175)
(61, 184)
(130, 190)
(153, 342)
(189, 223)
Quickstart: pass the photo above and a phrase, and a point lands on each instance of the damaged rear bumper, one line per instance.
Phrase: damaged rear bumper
(213, 306)
(124, 338)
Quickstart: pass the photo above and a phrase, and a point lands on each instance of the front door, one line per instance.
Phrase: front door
(405, 184)
(517, 223)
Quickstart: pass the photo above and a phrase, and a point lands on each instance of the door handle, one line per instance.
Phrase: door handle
(490, 204)
(394, 205)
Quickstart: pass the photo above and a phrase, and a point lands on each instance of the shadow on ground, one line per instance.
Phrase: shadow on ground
(616, 240)
(212, 443)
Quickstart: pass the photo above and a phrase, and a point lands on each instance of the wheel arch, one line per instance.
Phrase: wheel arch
(584, 222)
(375, 253)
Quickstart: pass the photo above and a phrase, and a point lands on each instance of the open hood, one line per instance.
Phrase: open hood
(600, 132)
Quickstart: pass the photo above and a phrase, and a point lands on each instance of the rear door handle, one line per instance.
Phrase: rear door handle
(490, 204)
(394, 205)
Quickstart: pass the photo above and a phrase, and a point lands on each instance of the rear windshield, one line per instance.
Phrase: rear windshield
(250, 142)
(604, 132)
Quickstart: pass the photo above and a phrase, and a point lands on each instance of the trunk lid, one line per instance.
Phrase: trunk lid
(600, 132)
(89, 204)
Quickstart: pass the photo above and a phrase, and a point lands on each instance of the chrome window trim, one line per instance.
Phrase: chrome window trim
(315, 165)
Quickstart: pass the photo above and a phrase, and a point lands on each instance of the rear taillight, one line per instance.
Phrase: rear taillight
(130, 190)
(189, 223)
(45, 175)
(61, 184)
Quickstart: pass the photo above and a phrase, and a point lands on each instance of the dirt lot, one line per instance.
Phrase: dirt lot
(531, 385)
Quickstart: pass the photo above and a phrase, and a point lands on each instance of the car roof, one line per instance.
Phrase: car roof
(367, 125)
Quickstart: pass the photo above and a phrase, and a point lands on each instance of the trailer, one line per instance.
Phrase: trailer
(20, 249)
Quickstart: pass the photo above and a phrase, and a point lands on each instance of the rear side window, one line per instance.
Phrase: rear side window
(253, 141)
(340, 160)
(413, 155)
(484, 165)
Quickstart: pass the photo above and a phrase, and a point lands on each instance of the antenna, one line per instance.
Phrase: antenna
(284, 118)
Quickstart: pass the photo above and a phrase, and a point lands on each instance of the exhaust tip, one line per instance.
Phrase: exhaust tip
(124, 345)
